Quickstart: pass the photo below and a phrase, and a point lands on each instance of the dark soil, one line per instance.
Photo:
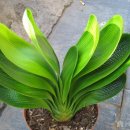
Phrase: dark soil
(40, 119)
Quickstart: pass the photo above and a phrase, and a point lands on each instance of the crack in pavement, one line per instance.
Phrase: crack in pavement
(2, 108)
(120, 111)
(65, 7)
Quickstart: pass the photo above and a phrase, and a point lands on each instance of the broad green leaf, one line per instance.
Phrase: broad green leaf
(69, 65)
(10, 83)
(87, 43)
(60, 82)
(102, 94)
(103, 82)
(108, 41)
(119, 56)
(39, 40)
(23, 54)
(110, 78)
(16, 99)
(23, 76)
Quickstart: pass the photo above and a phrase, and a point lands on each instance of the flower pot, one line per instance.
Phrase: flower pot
(92, 115)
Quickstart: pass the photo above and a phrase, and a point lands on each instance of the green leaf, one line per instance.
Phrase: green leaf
(10, 83)
(103, 82)
(110, 78)
(108, 41)
(102, 94)
(25, 77)
(39, 40)
(119, 56)
(69, 65)
(16, 99)
(24, 55)
(87, 43)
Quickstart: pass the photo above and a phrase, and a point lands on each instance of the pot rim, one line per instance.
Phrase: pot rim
(97, 109)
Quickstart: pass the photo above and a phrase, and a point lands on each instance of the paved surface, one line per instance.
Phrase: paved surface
(63, 22)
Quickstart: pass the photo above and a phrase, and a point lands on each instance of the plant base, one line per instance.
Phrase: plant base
(40, 119)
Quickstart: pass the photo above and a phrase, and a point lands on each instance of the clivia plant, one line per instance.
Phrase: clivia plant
(93, 69)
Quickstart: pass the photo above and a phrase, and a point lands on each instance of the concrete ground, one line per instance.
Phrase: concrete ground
(63, 22)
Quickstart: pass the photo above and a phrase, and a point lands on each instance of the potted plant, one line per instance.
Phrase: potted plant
(93, 71)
